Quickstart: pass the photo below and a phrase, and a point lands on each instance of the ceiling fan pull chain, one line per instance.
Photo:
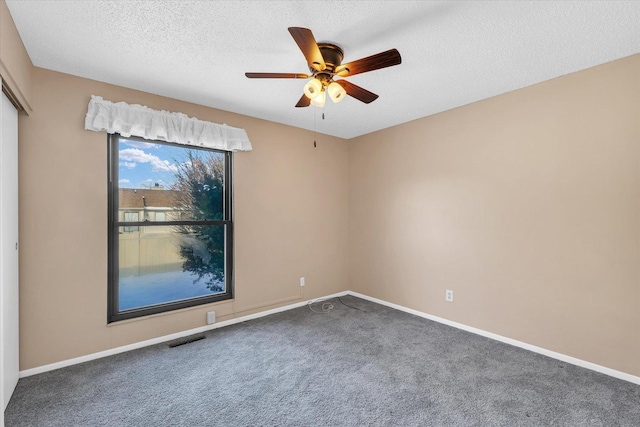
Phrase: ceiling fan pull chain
(315, 132)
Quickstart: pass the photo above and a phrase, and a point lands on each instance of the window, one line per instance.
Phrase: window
(170, 228)
(131, 217)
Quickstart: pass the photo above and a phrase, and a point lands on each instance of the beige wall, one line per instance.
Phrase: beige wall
(15, 64)
(527, 205)
(290, 221)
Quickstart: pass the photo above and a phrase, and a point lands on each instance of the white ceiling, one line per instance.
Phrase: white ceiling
(453, 53)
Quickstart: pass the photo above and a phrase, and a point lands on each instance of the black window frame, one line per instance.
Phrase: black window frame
(113, 313)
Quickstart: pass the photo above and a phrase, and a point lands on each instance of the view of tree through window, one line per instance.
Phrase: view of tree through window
(170, 227)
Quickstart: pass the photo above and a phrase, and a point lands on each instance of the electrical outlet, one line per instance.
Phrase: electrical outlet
(302, 281)
(448, 295)
(211, 317)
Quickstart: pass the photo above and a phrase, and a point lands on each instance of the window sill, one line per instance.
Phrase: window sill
(169, 313)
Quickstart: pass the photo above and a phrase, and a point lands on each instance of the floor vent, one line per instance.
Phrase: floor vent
(187, 341)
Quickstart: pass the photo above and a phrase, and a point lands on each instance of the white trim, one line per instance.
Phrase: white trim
(170, 337)
(554, 355)
(559, 356)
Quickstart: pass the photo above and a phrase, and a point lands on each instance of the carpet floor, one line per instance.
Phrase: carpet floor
(357, 365)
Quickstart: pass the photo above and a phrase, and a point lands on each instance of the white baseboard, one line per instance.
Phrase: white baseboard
(559, 356)
(165, 338)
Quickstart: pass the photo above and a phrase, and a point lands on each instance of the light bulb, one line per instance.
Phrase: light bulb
(313, 88)
(336, 92)
(318, 101)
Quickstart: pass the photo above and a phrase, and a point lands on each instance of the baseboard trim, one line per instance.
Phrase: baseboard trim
(555, 355)
(165, 338)
(559, 356)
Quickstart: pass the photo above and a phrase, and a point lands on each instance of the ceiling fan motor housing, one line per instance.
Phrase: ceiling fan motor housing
(332, 55)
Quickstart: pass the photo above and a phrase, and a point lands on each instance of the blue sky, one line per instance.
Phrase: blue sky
(144, 164)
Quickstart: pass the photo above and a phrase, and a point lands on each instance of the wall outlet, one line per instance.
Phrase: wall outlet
(448, 296)
(211, 317)
(302, 281)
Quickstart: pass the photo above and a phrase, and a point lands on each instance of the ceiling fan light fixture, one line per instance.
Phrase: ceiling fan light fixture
(313, 88)
(336, 92)
(318, 101)
(325, 62)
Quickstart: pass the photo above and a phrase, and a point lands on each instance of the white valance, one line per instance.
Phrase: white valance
(138, 120)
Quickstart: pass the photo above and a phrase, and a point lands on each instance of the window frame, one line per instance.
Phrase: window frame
(113, 288)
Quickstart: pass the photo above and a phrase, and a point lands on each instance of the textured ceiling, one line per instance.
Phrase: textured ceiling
(453, 53)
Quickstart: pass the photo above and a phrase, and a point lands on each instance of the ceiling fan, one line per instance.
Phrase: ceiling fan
(325, 63)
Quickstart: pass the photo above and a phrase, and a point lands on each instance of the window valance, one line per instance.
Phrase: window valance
(138, 120)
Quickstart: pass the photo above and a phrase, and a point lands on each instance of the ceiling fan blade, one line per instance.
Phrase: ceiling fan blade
(307, 44)
(276, 76)
(385, 59)
(357, 92)
(304, 101)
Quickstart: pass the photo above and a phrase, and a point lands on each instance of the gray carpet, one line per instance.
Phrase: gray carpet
(348, 367)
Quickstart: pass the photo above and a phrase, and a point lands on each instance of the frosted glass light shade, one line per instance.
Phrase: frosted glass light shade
(313, 88)
(318, 101)
(336, 92)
